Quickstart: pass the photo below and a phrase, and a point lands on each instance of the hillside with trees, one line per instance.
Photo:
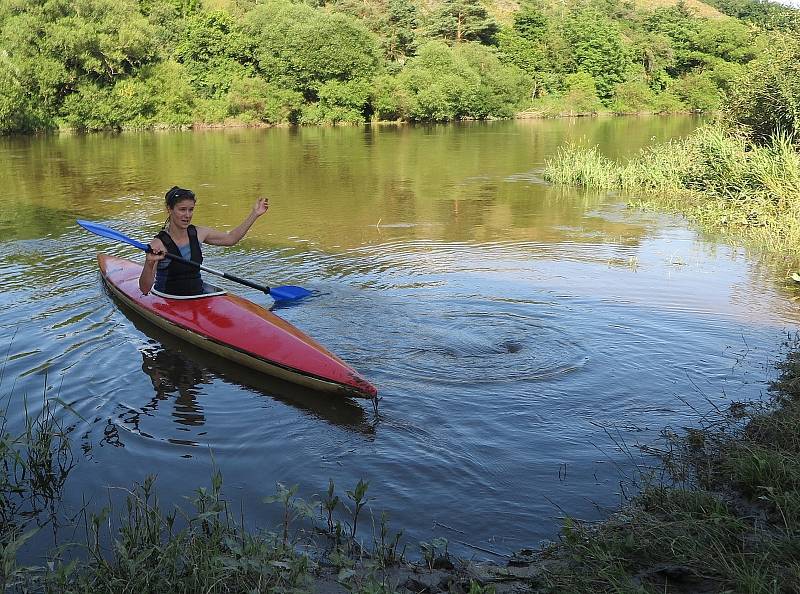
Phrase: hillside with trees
(137, 64)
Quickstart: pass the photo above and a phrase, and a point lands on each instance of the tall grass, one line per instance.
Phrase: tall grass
(728, 521)
(34, 465)
(717, 177)
(206, 547)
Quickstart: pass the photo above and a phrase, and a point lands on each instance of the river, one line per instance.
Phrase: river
(523, 337)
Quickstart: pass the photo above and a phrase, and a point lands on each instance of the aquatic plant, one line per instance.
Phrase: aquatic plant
(34, 465)
(715, 176)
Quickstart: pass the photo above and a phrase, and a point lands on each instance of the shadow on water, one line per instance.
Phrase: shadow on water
(179, 368)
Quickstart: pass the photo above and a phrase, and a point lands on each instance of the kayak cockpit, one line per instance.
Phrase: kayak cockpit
(208, 291)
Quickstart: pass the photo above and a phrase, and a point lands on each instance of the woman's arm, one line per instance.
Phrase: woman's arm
(232, 237)
(151, 260)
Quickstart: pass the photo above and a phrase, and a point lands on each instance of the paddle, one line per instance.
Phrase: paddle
(282, 293)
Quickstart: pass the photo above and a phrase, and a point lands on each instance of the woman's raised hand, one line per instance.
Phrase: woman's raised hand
(262, 206)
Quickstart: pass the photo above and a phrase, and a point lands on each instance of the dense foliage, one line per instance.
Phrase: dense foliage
(115, 64)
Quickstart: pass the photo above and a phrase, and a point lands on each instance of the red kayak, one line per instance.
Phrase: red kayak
(238, 330)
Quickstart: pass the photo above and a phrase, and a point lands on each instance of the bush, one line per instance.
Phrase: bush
(633, 96)
(253, 99)
(698, 91)
(581, 94)
(344, 101)
(467, 81)
(390, 100)
(18, 111)
(173, 95)
(767, 98)
(597, 47)
(300, 48)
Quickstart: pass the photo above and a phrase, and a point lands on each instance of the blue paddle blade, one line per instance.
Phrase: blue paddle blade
(110, 233)
(288, 292)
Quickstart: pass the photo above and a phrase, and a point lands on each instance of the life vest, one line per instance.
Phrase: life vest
(182, 279)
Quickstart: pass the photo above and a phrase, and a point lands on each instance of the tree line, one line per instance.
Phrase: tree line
(120, 64)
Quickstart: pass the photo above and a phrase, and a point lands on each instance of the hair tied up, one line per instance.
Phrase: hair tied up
(175, 194)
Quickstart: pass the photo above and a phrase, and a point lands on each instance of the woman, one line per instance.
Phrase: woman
(180, 238)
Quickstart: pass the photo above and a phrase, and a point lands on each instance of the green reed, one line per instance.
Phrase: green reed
(715, 176)
(206, 548)
(34, 464)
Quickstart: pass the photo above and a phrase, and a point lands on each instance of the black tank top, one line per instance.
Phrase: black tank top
(181, 279)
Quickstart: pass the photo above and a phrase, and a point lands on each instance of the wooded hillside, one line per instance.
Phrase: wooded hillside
(116, 64)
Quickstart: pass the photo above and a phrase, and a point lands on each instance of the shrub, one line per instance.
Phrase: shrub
(698, 91)
(581, 93)
(467, 81)
(300, 48)
(767, 98)
(254, 99)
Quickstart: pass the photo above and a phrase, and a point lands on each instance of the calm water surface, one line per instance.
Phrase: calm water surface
(519, 334)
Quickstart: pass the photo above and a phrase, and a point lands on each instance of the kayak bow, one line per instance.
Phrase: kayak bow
(238, 330)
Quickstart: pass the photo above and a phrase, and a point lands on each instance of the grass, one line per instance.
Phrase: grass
(728, 520)
(715, 177)
(206, 548)
(35, 464)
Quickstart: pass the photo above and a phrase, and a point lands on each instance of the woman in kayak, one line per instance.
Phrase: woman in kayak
(180, 238)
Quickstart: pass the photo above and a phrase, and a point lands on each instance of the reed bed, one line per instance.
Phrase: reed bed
(717, 177)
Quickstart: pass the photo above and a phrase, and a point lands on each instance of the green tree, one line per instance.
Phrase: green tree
(466, 81)
(19, 111)
(598, 49)
(182, 7)
(300, 48)
(698, 91)
(457, 21)
(656, 54)
(341, 101)
(581, 93)
(215, 52)
(255, 99)
(400, 32)
(531, 22)
(767, 97)
(55, 48)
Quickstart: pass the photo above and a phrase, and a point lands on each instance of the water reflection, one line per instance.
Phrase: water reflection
(187, 374)
(172, 374)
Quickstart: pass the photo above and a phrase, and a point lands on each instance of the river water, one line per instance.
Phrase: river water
(524, 338)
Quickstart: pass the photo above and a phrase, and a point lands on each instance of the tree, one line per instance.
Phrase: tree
(465, 81)
(458, 21)
(215, 52)
(767, 98)
(55, 47)
(597, 49)
(530, 22)
(400, 31)
(300, 48)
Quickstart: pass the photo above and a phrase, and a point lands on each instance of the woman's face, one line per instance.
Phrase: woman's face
(181, 213)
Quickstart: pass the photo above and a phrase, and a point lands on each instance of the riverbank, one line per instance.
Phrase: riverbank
(234, 124)
(720, 512)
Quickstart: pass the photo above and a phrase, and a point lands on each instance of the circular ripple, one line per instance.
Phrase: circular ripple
(485, 347)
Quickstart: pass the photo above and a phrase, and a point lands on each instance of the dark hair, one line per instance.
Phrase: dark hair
(176, 194)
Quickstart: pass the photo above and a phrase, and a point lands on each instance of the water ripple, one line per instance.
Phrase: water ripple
(484, 347)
